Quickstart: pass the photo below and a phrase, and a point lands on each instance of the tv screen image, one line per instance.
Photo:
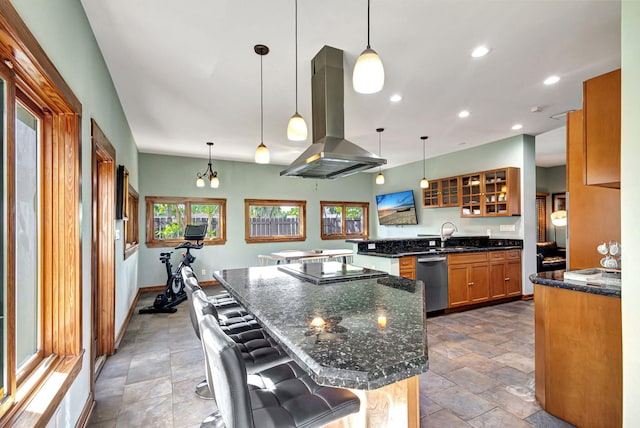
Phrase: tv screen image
(396, 208)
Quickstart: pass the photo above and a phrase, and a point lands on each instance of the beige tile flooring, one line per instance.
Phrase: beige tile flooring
(480, 372)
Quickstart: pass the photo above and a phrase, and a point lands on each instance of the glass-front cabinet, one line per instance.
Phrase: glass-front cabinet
(443, 192)
(491, 193)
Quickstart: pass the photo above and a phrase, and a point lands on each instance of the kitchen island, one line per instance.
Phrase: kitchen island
(578, 350)
(366, 334)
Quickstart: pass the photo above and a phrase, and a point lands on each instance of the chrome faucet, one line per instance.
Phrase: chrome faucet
(443, 236)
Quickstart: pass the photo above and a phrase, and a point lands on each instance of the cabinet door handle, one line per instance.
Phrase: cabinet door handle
(507, 279)
(471, 283)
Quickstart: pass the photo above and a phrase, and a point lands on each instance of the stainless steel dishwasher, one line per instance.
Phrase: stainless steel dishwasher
(432, 270)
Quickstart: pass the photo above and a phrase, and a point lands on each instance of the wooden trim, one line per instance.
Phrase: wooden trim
(60, 246)
(67, 369)
(103, 264)
(32, 63)
(527, 296)
(156, 243)
(127, 320)
(302, 236)
(9, 237)
(344, 206)
(87, 409)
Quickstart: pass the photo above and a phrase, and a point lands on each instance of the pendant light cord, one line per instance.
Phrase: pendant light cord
(261, 106)
(424, 156)
(380, 149)
(296, 55)
(368, 23)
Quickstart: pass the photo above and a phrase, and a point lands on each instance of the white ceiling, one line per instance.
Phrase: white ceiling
(186, 72)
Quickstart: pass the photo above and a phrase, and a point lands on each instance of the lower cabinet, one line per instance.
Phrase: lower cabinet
(480, 277)
(408, 267)
(468, 279)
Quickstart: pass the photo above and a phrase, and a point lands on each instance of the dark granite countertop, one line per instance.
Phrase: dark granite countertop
(556, 279)
(446, 250)
(352, 350)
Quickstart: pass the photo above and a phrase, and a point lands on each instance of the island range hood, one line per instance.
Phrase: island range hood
(330, 155)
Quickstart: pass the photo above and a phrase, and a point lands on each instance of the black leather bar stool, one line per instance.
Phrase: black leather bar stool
(258, 349)
(283, 396)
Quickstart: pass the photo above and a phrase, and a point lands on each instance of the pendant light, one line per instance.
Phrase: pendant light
(208, 173)
(424, 183)
(379, 177)
(297, 128)
(368, 73)
(262, 153)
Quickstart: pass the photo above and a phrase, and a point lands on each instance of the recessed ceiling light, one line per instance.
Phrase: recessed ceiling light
(480, 51)
(516, 127)
(551, 80)
(395, 98)
(464, 113)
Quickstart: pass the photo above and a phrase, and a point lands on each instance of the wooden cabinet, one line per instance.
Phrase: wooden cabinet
(505, 274)
(468, 279)
(602, 122)
(578, 356)
(408, 267)
(493, 193)
(444, 192)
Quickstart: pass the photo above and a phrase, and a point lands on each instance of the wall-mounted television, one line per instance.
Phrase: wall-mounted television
(396, 208)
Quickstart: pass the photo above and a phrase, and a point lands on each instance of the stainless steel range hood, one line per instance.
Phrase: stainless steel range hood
(330, 155)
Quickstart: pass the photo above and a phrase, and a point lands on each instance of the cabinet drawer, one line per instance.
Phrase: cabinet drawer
(497, 256)
(408, 273)
(513, 254)
(467, 258)
(407, 263)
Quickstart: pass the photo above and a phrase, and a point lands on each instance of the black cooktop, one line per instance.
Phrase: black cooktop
(328, 272)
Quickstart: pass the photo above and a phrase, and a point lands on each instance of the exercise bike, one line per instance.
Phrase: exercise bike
(174, 293)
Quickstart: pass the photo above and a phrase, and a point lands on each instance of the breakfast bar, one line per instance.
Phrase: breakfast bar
(347, 326)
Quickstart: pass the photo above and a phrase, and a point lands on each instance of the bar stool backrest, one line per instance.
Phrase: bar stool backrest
(226, 374)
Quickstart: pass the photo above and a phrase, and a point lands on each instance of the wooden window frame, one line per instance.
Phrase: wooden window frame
(131, 223)
(302, 235)
(541, 211)
(28, 71)
(150, 201)
(344, 234)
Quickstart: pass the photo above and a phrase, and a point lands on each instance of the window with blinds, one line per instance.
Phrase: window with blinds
(541, 208)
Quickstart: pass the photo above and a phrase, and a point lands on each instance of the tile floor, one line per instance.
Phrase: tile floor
(481, 372)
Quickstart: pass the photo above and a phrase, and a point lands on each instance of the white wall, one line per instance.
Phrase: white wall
(630, 200)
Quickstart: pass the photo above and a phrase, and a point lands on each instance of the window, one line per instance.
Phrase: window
(131, 230)
(274, 220)
(344, 220)
(167, 217)
(40, 255)
(541, 208)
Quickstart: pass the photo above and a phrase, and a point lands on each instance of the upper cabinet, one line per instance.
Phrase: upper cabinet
(491, 193)
(602, 118)
(443, 192)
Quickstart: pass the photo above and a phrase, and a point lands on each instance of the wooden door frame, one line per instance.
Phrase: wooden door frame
(103, 176)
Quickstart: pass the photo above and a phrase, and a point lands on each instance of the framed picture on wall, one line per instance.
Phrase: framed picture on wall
(122, 192)
(559, 202)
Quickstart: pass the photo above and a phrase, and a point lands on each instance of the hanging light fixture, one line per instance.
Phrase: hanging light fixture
(208, 173)
(262, 153)
(368, 73)
(297, 128)
(424, 183)
(379, 177)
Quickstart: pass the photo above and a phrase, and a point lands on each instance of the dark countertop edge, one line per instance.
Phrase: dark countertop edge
(440, 252)
(332, 376)
(543, 278)
(422, 238)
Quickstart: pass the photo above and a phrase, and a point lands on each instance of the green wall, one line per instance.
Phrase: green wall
(175, 176)
(64, 33)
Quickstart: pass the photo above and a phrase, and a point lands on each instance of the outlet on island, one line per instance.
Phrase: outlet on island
(203, 272)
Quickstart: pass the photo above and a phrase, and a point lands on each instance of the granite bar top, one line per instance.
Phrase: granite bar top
(356, 348)
(446, 250)
(556, 279)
